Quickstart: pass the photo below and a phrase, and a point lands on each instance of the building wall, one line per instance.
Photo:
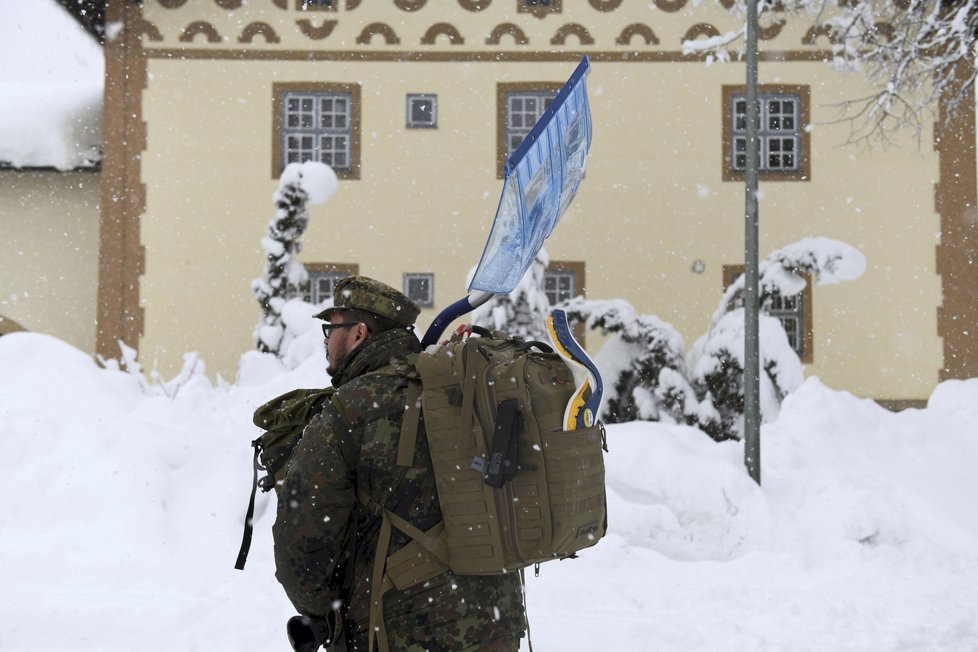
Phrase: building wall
(652, 203)
(49, 221)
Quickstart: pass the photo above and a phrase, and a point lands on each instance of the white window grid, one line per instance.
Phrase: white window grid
(318, 127)
(790, 311)
(779, 134)
(422, 111)
(420, 288)
(559, 285)
(322, 285)
(523, 109)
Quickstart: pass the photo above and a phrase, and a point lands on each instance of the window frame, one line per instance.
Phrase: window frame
(279, 132)
(420, 276)
(806, 330)
(767, 92)
(308, 5)
(413, 97)
(503, 91)
(313, 269)
(539, 10)
(579, 269)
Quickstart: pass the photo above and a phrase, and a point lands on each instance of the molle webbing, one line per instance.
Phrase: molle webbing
(534, 495)
(514, 488)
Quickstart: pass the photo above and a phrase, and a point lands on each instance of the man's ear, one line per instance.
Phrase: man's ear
(362, 333)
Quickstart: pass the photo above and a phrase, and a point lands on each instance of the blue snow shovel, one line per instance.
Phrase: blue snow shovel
(541, 179)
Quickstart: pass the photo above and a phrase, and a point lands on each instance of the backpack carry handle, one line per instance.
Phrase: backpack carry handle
(543, 346)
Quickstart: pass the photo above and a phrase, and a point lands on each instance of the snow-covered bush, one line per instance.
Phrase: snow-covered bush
(642, 351)
(523, 311)
(301, 183)
(717, 372)
(716, 361)
(648, 377)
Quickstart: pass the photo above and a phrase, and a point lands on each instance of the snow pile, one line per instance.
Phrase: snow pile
(51, 100)
(123, 508)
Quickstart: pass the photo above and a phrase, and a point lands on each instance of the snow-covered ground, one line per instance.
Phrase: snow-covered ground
(122, 511)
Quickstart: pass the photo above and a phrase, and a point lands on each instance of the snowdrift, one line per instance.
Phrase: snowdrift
(123, 508)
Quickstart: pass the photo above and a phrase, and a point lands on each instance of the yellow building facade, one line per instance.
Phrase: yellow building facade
(50, 225)
(203, 96)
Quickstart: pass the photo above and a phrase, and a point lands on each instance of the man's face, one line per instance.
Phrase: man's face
(342, 340)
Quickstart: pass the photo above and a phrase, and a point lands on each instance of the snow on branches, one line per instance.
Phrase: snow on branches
(918, 55)
(642, 362)
(301, 183)
(825, 260)
(717, 360)
(648, 376)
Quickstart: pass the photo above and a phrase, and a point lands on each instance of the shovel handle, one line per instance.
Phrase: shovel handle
(451, 313)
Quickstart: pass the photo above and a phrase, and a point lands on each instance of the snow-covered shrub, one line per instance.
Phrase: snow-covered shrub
(301, 183)
(717, 372)
(716, 361)
(632, 362)
(523, 311)
(648, 377)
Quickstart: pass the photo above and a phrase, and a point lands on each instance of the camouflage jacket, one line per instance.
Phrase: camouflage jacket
(353, 444)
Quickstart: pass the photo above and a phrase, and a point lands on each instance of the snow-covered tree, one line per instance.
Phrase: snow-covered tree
(915, 53)
(918, 55)
(641, 363)
(300, 184)
(716, 361)
(523, 311)
(717, 373)
(648, 376)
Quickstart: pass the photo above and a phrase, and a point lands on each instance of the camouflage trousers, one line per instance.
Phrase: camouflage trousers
(502, 645)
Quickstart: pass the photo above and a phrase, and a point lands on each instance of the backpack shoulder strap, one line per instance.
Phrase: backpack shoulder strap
(420, 559)
(409, 426)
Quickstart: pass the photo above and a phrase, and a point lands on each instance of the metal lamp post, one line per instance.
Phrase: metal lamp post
(752, 404)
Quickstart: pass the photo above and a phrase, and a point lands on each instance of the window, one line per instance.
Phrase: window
(323, 278)
(789, 311)
(563, 280)
(307, 5)
(783, 139)
(795, 313)
(422, 111)
(519, 106)
(317, 122)
(559, 285)
(420, 288)
(539, 8)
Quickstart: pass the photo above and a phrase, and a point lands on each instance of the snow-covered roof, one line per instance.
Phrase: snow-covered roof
(51, 87)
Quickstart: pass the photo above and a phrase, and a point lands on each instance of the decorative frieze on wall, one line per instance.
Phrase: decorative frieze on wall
(461, 29)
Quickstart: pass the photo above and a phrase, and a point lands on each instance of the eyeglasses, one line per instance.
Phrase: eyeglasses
(328, 328)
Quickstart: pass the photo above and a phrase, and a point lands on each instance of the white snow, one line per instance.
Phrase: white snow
(51, 100)
(123, 506)
(317, 179)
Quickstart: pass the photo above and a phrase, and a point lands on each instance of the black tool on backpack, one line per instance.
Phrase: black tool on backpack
(502, 455)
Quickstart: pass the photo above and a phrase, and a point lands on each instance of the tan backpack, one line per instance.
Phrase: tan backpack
(515, 488)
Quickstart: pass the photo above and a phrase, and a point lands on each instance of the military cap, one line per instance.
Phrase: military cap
(362, 293)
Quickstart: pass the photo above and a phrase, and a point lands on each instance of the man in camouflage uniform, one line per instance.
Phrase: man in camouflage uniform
(351, 447)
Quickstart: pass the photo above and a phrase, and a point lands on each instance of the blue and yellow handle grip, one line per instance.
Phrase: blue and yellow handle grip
(581, 409)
